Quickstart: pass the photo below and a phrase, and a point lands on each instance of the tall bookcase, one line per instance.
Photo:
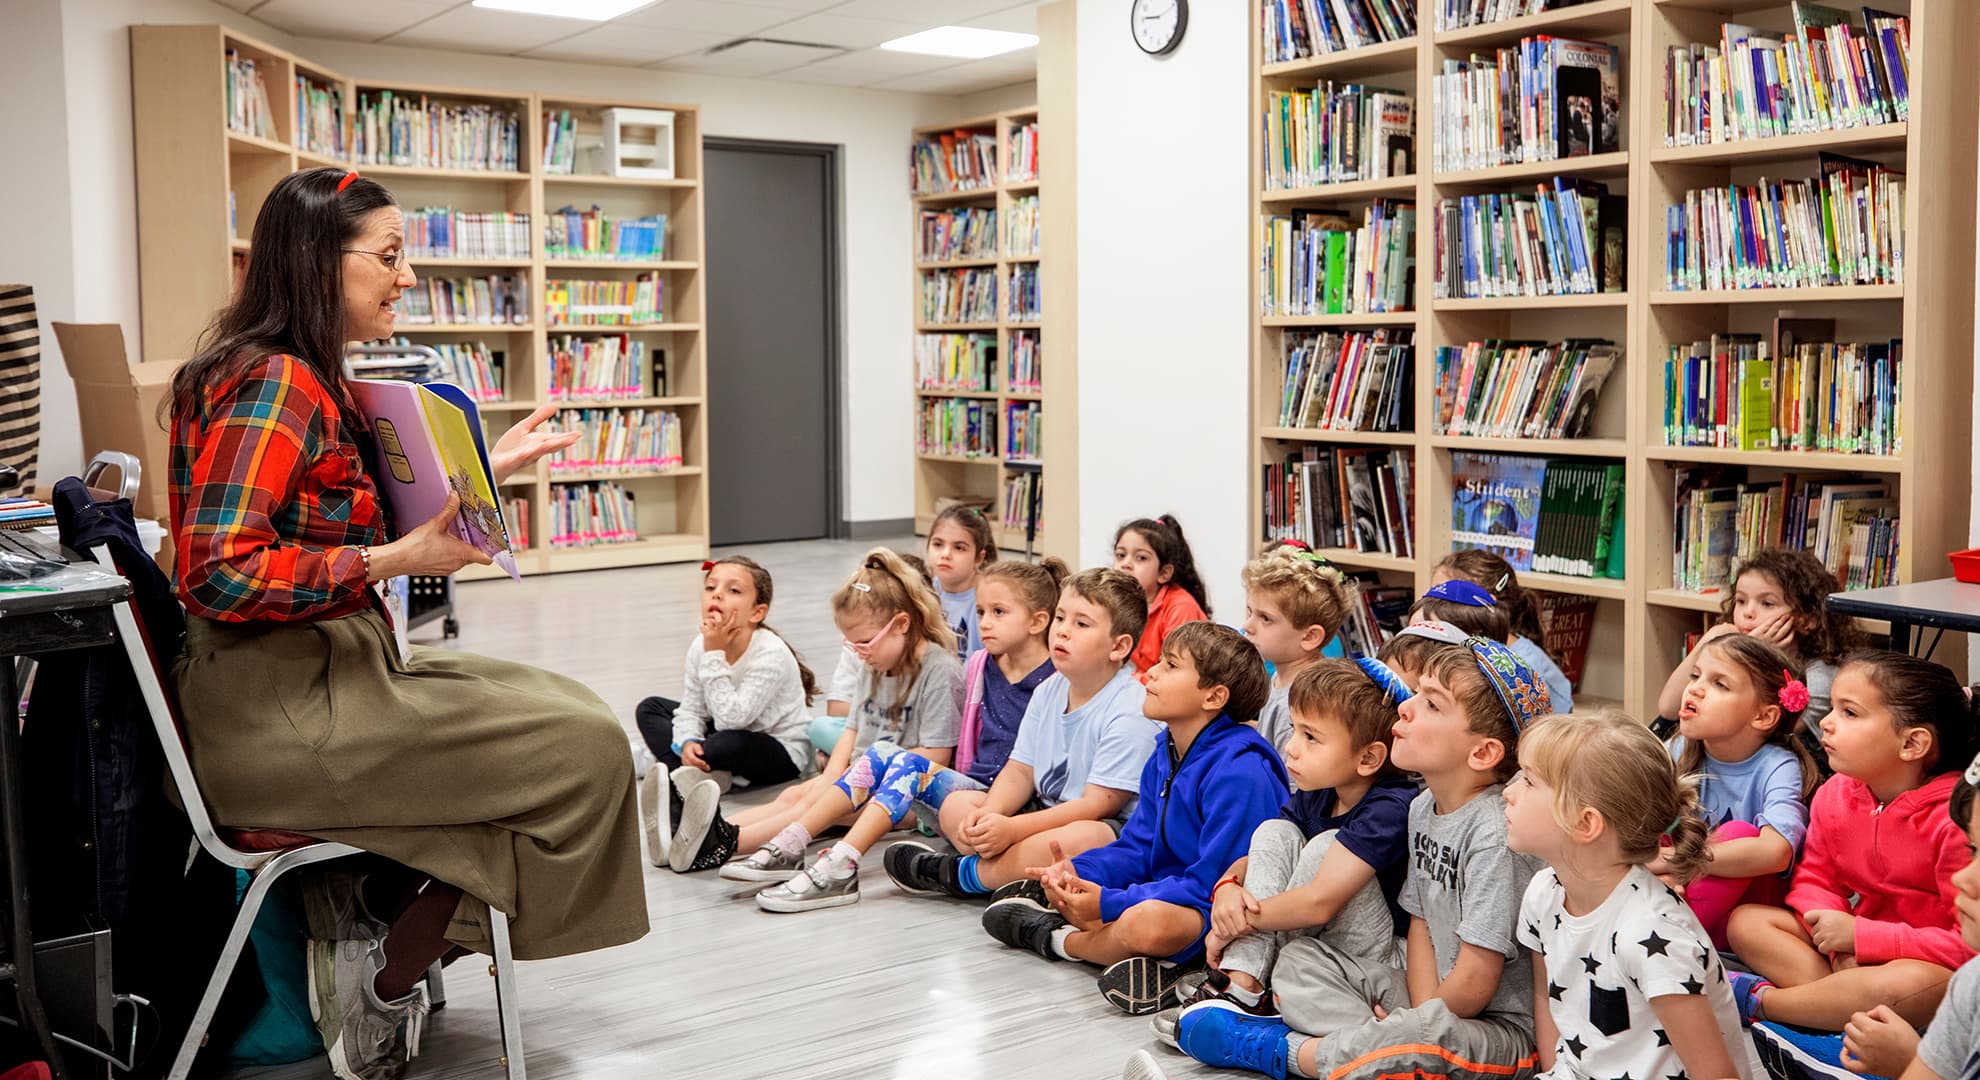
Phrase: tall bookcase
(1641, 621)
(189, 161)
(986, 475)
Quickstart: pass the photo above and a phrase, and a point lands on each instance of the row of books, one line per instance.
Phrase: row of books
(612, 303)
(515, 514)
(1317, 263)
(958, 232)
(1845, 227)
(559, 142)
(1458, 14)
(605, 367)
(1023, 490)
(1522, 389)
(1719, 517)
(1546, 100)
(392, 129)
(490, 300)
(1335, 133)
(441, 232)
(1355, 381)
(248, 111)
(1298, 29)
(1376, 612)
(1563, 239)
(474, 367)
(1552, 515)
(588, 515)
(570, 233)
(962, 362)
(622, 440)
(1021, 154)
(959, 161)
(1027, 303)
(959, 296)
(1738, 391)
(1759, 84)
(1024, 431)
(1024, 372)
(1358, 498)
(957, 427)
(320, 118)
(1021, 226)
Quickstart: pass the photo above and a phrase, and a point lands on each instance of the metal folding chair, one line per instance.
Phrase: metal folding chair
(267, 855)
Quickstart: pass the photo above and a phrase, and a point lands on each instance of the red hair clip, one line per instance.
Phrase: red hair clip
(1794, 695)
(707, 565)
(346, 181)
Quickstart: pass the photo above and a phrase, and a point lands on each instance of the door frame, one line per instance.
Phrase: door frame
(836, 525)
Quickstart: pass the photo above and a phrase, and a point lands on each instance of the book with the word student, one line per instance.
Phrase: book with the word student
(1495, 504)
(429, 444)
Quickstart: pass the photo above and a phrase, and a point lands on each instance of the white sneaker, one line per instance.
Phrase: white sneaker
(366, 1038)
(1143, 1066)
(643, 759)
(654, 815)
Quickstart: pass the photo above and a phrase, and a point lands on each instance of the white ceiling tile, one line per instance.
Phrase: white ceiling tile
(843, 32)
(349, 20)
(880, 64)
(240, 5)
(926, 12)
(744, 61)
(472, 29)
(966, 78)
(1022, 19)
(816, 75)
(617, 43)
(708, 16)
(799, 5)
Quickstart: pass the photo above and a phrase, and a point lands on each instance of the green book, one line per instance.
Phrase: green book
(1756, 404)
(1609, 545)
(1336, 272)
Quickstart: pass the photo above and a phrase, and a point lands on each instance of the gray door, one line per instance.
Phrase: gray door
(773, 340)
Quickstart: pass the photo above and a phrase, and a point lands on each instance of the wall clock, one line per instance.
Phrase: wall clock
(1158, 25)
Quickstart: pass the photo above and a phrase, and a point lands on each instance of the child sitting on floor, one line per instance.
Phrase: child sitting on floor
(1140, 905)
(960, 545)
(1153, 552)
(1294, 603)
(1495, 575)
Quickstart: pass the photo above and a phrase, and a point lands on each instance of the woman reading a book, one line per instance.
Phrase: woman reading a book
(477, 782)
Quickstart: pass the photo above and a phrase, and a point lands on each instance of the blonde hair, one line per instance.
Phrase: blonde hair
(885, 586)
(1612, 764)
(1307, 588)
(1037, 584)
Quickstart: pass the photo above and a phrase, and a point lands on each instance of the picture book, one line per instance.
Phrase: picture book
(1495, 504)
(430, 446)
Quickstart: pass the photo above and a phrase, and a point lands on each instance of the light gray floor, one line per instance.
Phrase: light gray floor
(893, 986)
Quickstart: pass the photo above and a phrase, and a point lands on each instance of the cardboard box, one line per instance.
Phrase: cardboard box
(118, 402)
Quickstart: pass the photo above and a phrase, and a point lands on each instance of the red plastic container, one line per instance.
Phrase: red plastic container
(1966, 565)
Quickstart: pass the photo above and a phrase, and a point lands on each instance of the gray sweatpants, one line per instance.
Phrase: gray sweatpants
(1323, 991)
(1282, 859)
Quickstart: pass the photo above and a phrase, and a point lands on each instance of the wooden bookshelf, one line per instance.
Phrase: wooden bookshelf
(1641, 620)
(188, 161)
(940, 476)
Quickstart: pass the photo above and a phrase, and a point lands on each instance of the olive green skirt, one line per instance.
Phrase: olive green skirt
(511, 783)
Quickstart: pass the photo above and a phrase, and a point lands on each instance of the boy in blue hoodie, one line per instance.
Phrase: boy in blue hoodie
(1140, 906)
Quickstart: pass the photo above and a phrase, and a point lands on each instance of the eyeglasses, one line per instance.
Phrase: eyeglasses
(393, 260)
(863, 649)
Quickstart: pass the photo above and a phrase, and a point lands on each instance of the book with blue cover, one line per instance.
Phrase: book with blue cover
(1495, 504)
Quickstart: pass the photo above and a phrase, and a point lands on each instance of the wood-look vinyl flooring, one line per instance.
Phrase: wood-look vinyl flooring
(894, 986)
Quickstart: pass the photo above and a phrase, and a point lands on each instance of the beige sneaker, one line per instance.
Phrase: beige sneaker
(365, 1038)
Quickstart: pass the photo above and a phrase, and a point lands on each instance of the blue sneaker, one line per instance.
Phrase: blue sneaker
(1216, 1034)
(1746, 989)
(1800, 1055)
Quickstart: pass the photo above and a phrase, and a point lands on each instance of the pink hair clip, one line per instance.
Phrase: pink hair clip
(1794, 695)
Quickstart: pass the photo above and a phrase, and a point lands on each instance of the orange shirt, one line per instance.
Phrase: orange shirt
(1173, 607)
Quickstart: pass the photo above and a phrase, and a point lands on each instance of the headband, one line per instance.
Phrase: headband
(1460, 591)
(346, 181)
(1390, 683)
(1523, 695)
(1435, 631)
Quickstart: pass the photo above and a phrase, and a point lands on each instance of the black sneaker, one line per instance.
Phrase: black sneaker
(1022, 924)
(1023, 889)
(919, 869)
(717, 847)
(1141, 985)
(1215, 986)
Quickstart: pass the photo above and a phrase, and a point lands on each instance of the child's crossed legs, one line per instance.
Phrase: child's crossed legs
(1031, 853)
(1812, 991)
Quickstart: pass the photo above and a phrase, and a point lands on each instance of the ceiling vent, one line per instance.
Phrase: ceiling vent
(752, 45)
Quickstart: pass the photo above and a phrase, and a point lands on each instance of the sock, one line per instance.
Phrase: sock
(793, 838)
(1294, 1040)
(966, 877)
(842, 860)
(1059, 937)
(1241, 995)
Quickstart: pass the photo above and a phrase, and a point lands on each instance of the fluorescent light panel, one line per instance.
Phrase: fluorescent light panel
(589, 10)
(962, 42)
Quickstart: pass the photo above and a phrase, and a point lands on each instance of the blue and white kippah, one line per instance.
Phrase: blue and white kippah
(1460, 591)
(1390, 682)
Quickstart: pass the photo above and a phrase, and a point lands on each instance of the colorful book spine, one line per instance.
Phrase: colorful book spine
(959, 296)
(1021, 227)
(604, 368)
(1023, 432)
(320, 127)
(1021, 488)
(570, 233)
(1024, 371)
(1522, 390)
(492, 300)
(1845, 227)
(1827, 396)
(591, 515)
(1335, 133)
(1021, 154)
(1026, 294)
(633, 302)
(440, 232)
(1355, 381)
(1565, 238)
(958, 427)
(959, 161)
(1300, 29)
(619, 440)
(954, 362)
(392, 129)
(960, 232)
(1316, 263)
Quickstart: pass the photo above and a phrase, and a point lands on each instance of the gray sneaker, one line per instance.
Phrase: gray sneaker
(333, 906)
(811, 888)
(654, 816)
(366, 1038)
(1141, 1065)
(770, 863)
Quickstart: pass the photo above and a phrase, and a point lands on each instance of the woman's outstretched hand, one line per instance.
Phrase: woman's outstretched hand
(520, 446)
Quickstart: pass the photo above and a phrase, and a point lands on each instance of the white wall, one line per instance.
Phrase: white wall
(1163, 286)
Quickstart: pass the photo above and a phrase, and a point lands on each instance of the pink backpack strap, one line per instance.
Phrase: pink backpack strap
(972, 712)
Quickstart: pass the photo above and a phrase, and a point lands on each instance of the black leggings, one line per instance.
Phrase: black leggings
(752, 755)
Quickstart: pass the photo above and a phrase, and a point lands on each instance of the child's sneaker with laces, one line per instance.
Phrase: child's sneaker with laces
(1216, 986)
(1140, 985)
(1216, 1033)
(770, 864)
(1023, 923)
(1801, 1055)
(815, 886)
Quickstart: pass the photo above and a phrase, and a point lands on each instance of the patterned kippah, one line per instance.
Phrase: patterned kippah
(1435, 631)
(1460, 591)
(1381, 676)
(1519, 690)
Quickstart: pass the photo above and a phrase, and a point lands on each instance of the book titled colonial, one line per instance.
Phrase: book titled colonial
(429, 447)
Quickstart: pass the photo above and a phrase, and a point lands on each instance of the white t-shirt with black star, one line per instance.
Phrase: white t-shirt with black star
(1604, 968)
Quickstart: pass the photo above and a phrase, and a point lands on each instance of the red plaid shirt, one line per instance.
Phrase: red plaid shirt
(270, 501)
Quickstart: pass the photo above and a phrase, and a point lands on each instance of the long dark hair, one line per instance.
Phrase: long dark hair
(759, 579)
(292, 297)
(1819, 634)
(1920, 693)
(1164, 534)
(1497, 576)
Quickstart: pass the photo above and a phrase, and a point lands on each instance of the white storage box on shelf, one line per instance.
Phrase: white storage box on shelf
(640, 143)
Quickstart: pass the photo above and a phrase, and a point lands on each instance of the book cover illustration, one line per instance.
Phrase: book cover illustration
(1495, 504)
(429, 447)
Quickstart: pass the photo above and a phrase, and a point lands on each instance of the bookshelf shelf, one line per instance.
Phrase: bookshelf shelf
(186, 156)
(1872, 139)
(1023, 396)
(974, 395)
(954, 328)
(1023, 325)
(959, 459)
(951, 198)
(1021, 187)
(1641, 621)
(1596, 19)
(955, 264)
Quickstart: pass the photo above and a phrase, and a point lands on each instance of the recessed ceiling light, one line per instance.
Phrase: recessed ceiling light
(963, 42)
(591, 10)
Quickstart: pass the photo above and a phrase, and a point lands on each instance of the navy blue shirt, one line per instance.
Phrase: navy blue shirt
(1003, 711)
(1376, 829)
